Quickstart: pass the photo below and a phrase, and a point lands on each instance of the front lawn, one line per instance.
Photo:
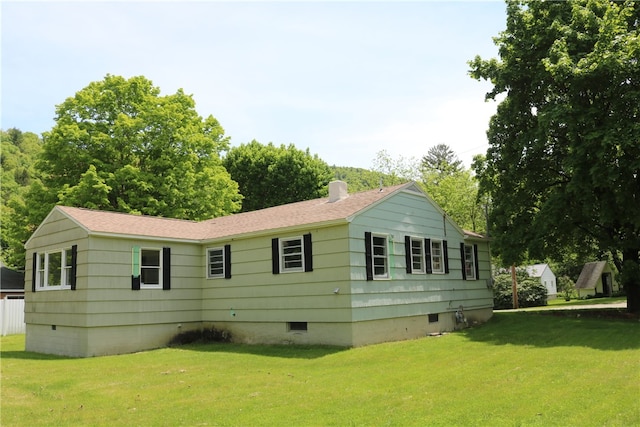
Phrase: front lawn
(519, 369)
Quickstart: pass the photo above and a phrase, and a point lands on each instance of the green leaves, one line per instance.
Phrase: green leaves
(563, 168)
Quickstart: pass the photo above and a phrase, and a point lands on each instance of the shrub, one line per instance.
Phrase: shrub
(531, 293)
(201, 335)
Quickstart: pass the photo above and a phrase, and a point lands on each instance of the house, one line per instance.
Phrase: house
(346, 270)
(597, 278)
(543, 273)
(11, 283)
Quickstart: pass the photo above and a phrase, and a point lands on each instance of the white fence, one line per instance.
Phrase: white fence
(12, 316)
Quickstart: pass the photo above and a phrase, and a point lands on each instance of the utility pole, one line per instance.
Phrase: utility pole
(514, 286)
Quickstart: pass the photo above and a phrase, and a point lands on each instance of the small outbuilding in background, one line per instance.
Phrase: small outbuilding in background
(597, 278)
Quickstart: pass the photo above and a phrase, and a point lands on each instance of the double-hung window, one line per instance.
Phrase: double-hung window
(292, 254)
(414, 251)
(219, 262)
(437, 256)
(469, 256)
(54, 269)
(377, 256)
(151, 268)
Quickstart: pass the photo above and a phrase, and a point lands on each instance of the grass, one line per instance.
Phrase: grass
(519, 369)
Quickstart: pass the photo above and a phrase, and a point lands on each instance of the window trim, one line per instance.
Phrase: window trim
(159, 267)
(209, 263)
(41, 270)
(410, 256)
(371, 256)
(278, 256)
(472, 262)
(442, 269)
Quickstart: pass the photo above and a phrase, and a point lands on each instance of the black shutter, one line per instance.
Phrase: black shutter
(464, 272)
(227, 261)
(407, 254)
(135, 283)
(166, 269)
(368, 253)
(475, 259)
(34, 271)
(275, 256)
(445, 254)
(74, 266)
(427, 255)
(308, 253)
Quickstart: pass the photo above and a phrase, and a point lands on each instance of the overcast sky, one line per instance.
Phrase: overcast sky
(344, 79)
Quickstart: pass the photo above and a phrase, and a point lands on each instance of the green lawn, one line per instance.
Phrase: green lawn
(519, 369)
(591, 301)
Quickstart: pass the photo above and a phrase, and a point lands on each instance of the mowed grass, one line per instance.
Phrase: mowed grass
(519, 369)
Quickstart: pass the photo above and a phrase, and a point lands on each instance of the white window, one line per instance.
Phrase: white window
(417, 255)
(215, 262)
(469, 262)
(150, 268)
(437, 258)
(380, 256)
(292, 254)
(54, 269)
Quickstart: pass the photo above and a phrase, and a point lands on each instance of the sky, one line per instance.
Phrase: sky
(346, 80)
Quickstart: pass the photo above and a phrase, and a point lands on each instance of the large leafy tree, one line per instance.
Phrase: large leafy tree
(441, 159)
(119, 145)
(563, 167)
(18, 153)
(270, 175)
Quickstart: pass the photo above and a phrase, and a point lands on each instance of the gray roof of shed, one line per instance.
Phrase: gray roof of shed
(590, 274)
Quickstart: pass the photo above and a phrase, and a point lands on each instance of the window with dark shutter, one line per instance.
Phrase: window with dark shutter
(34, 271)
(475, 261)
(445, 255)
(462, 261)
(427, 255)
(407, 253)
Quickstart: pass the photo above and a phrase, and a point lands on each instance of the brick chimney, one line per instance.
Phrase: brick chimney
(337, 191)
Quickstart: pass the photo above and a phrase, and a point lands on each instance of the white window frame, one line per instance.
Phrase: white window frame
(291, 256)
(43, 274)
(437, 258)
(158, 267)
(469, 262)
(380, 257)
(419, 255)
(222, 262)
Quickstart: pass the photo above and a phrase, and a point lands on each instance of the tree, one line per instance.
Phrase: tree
(118, 145)
(563, 167)
(18, 153)
(395, 170)
(442, 160)
(154, 154)
(272, 176)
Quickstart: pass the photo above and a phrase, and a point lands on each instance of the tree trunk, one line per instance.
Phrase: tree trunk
(630, 278)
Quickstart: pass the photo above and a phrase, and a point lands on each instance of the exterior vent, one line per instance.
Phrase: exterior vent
(337, 191)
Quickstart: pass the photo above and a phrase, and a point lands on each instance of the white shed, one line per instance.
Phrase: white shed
(546, 276)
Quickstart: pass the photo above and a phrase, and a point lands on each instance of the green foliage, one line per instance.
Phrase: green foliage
(18, 153)
(442, 160)
(566, 287)
(118, 145)
(563, 167)
(531, 293)
(396, 170)
(271, 176)
(359, 179)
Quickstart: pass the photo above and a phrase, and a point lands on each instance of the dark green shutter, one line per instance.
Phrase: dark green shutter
(275, 256)
(34, 271)
(368, 253)
(407, 254)
(74, 266)
(166, 269)
(445, 254)
(475, 259)
(464, 271)
(227, 261)
(308, 253)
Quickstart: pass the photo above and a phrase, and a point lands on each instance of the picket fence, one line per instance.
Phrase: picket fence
(12, 316)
